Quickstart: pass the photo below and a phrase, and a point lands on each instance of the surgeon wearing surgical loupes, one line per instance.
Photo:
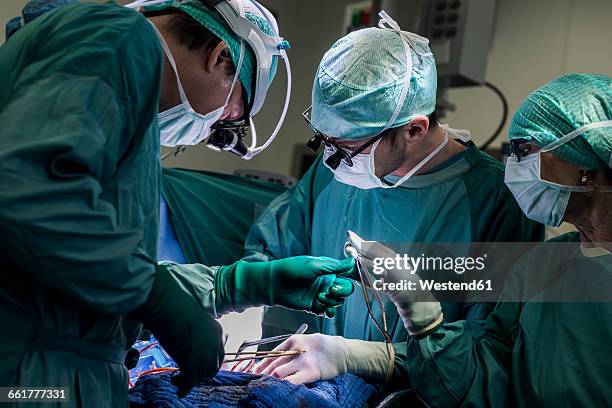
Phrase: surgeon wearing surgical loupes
(536, 352)
(80, 190)
(389, 172)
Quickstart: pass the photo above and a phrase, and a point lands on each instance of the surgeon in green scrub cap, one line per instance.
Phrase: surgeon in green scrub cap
(389, 172)
(552, 347)
(87, 94)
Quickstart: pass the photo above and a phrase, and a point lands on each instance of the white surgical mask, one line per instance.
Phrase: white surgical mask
(182, 125)
(541, 200)
(362, 174)
(358, 175)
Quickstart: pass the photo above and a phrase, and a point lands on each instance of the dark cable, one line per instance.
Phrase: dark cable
(504, 102)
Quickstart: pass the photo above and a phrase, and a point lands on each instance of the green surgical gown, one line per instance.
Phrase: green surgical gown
(212, 213)
(79, 197)
(462, 200)
(533, 353)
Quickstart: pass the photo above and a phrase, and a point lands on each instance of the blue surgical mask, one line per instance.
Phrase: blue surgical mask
(182, 125)
(539, 201)
(542, 200)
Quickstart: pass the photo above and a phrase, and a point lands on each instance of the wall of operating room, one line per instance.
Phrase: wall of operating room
(533, 42)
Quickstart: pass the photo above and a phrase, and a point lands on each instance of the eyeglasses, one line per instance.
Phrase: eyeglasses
(366, 282)
(341, 153)
(515, 149)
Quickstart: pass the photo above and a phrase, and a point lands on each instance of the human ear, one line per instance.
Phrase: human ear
(415, 131)
(218, 59)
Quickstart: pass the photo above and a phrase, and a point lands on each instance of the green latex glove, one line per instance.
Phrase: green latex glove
(184, 328)
(300, 283)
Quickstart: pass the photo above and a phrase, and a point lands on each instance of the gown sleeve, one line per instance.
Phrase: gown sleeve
(64, 139)
(284, 228)
(455, 366)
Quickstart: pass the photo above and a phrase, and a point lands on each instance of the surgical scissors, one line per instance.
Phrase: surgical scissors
(265, 354)
(301, 330)
(261, 355)
(366, 282)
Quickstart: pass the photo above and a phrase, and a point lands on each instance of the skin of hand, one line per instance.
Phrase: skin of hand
(323, 358)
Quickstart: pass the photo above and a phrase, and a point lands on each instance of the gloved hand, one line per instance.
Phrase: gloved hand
(325, 357)
(184, 328)
(300, 283)
(419, 309)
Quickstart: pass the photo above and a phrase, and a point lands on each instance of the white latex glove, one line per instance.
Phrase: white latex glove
(419, 309)
(326, 357)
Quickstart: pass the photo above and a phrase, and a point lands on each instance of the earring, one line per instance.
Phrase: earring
(585, 178)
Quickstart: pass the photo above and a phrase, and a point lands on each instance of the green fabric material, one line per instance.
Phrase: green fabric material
(532, 353)
(464, 201)
(183, 327)
(214, 22)
(562, 106)
(213, 212)
(79, 158)
(298, 283)
(359, 82)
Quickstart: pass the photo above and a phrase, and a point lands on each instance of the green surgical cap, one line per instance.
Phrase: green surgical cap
(359, 82)
(562, 106)
(212, 20)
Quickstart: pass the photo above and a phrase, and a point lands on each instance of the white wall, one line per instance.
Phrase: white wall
(8, 10)
(534, 41)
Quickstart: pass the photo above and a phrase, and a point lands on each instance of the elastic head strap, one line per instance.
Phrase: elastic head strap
(237, 73)
(575, 134)
(387, 23)
(409, 41)
(168, 53)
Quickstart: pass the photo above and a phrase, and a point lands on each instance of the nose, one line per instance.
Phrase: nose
(233, 111)
(235, 107)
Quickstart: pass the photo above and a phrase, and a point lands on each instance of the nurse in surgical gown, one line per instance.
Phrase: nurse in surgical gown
(538, 350)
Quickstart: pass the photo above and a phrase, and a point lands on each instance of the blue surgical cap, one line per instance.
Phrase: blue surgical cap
(360, 83)
(32, 10)
(562, 106)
